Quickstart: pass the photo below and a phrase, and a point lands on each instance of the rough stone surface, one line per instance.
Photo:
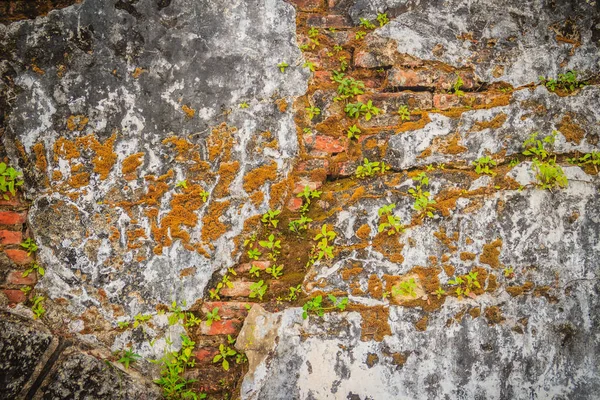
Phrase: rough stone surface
(97, 83)
(23, 345)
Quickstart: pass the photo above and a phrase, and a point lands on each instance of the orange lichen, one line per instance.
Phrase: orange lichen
(375, 324)
(189, 112)
(79, 180)
(282, 105)
(130, 164)
(37, 69)
(56, 175)
(182, 146)
(220, 142)
(280, 191)
(444, 238)
(375, 286)
(448, 144)
(364, 232)
(105, 157)
(77, 122)
(494, 123)
(573, 132)
(40, 156)
(350, 272)
(65, 149)
(421, 324)
(137, 72)
(257, 198)
(133, 235)
(493, 315)
(258, 176)
(227, 173)
(491, 254)
(466, 256)
(212, 227)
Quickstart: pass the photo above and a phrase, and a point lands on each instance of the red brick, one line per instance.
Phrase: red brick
(328, 21)
(16, 278)
(309, 5)
(429, 77)
(12, 218)
(223, 327)
(259, 264)
(322, 77)
(15, 295)
(239, 289)
(18, 256)
(326, 144)
(12, 201)
(376, 52)
(312, 165)
(205, 355)
(10, 237)
(443, 101)
(294, 204)
(228, 309)
(299, 187)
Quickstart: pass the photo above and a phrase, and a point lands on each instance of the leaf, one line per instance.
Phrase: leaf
(225, 365)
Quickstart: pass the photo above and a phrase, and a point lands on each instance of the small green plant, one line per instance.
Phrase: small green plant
(592, 158)
(308, 194)
(337, 48)
(440, 292)
(212, 316)
(313, 111)
(567, 81)
(123, 324)
(404, 113)
(181, 184)
(383, 19)
(282, 66)
(173, 366)
(294, 292)
(313, 32)
(214, 293)
(140, 319)
(258, 289)
(300, 224)
(466, 287)
(324, 237)
(244, 105)
(358, 109)
(457, 85)
(365, 23)
(315, 305)
(360, 35)
(273, 245)
(349, 87)
(34, 267)
(29, 245)
(406, 288)
(191, 320)
(204, 194)
(275, 271)
(369, 168)
(343, 63)
(538, 147)
(270, 217)
(509, 272)
(353, 132)
(254, 254)
(38, 307)
(514, 162)
(484, 164)
(128, 357)
(392, 223)
(224, 352)
(304, 47)
(549, 174)
(177, 313)
(423, 201)
(254, 271)
(9, 180)
(309, 65)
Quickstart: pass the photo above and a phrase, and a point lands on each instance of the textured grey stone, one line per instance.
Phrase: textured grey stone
(23, 345)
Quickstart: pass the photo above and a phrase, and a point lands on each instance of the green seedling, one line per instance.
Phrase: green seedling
(38, 307)
(313, 111)
(191, 320)
(294, 293)
(440, 292)
(549, 175)
(177, 313)
(337, 48)
(254, 254)
(315, 305)
(358, 109)
(29, 245)
(457, 85)
(212, 316)
(514, 162)
(484, 165)
(404, 113)
(173, 366)
(270, 217)
(310, 66)
(406, 288)
(258, 289)
(360, 35)
(244, 105)
(365, 23)
(9, 180)
(141, 319)
(369, 168)
(349, 87)
(423, 201)
(34, 267)
(275, 271)
(313, 32)
(128, 357)
(123, 324)
(392, 224)
(224, 352)
(509, 272)
(282, 66)
(254, 271)
(271, 244)
(182, 184)
(353, 132)
(383, 19)
(567, 81)
(301, 224)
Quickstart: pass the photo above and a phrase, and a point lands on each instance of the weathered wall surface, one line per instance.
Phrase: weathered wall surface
(154, 134)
